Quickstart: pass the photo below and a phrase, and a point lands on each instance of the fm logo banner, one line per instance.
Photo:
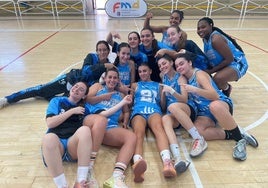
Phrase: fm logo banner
(125, 8)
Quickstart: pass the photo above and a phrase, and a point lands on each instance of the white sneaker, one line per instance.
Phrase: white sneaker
(3, 102)
(92, 182)
(115, 182)
(240, 150)
(198, 147)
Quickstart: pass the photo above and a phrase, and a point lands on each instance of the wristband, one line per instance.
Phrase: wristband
(172, 91)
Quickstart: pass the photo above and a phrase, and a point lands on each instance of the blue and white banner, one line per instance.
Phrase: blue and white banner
(125, 8)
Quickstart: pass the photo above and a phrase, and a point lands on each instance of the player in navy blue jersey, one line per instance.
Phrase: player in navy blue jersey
(66, 138)
(150, 46)
(94, 65)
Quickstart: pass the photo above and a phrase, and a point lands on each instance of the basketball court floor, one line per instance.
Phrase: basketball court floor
(36, 49)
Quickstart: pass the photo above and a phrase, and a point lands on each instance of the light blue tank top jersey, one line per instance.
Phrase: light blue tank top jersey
(124, 74)
(165, 39)
(107, 104)
(214, 57)
(203, 103)
(174, 84)
(146, 98)
(139, 58)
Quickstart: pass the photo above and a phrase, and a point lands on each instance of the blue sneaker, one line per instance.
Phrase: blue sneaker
(240, 150)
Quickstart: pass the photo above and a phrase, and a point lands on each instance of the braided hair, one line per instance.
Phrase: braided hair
(210, 22)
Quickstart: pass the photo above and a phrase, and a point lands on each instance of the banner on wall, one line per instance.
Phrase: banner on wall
(125, 8)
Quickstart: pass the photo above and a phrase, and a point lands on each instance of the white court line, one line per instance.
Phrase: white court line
(123, 30)
(193, 170)
(194, 173)
(265, 116)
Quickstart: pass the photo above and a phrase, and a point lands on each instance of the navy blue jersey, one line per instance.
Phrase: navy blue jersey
(59, 105)
(152, 61)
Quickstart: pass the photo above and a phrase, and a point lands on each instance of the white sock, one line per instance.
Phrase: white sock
(165, 155)
(175, 151)
(194, 133)
(136, 157)
(119, 169)
(60, 181)
(82, 173)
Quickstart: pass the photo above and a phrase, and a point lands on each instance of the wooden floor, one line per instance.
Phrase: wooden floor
(34, 50)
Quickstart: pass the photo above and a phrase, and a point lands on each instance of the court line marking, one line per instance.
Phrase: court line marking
(192, 168)
(265, 116)
(126, 30)
(33, 47)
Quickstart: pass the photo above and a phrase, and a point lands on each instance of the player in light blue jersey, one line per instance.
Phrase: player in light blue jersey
(134, 41)
(226, 58)
(125, 67)
(146, 110)
(103, 97)
(181, 44)
(178, 112)
(213, 106)
(175, 19)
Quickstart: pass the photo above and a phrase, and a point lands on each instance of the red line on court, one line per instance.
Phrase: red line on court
(251, 44)
(38, 44)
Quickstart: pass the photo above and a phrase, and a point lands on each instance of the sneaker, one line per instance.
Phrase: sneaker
(228, 91)
(240, 151)
(93, 183)
(251, 140)
(181, 166)
(169, 170)
(3, 102)
(115, 182)
(198, 147)
(82, 184)
(139, 168)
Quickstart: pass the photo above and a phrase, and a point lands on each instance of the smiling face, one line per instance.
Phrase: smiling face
(144, 72)
(124, 55)
(183, 66)
(111, 79)
(103, 52)
(204, 29)
(173, 35)
(175, 19)
(147, 38)
(165, 66)
(78, 91)
(133, 40)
